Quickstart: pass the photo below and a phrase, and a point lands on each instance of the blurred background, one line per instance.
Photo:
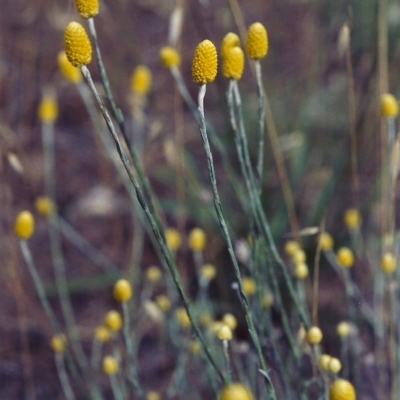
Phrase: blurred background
(306, 81)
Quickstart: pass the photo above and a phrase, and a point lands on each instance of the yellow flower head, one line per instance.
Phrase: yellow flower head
(389, 106)
(325, 241)
(291, 247)
(141, 80)
(323, 361)
(45, 206)
(352, 218)
(87, 8)
(341, 389)
(173, 238)
(153, 274)
(334, 365)
(110, 365)
(24, 225)
(388, 262)
(229, 41)
(257, 41)
(208, 272)
(58, 343)
(314, 335)
(182, 317)
(300, 271)
(122, 291)
(343, 329)
(249, 286)
(197, 239)
(102, 334)
(77, 45)
(163, 302)
(152, 395)
(113, 320)
(169, 57)
(48, 109)
(235, 391)
(230, 320)
(224, 332)
(194, 347)
(70, 72)
(205, 63)
(233, 63)
(267, 300)
(345, 257)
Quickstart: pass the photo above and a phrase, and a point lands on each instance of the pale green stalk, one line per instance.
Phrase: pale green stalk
(153, 220)
(63, 376)
(55, 245)
(133, 373)
(225, 232)
(261, 123)
(116, 387)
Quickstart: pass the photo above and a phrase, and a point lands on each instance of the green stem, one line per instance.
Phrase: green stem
(154, 223)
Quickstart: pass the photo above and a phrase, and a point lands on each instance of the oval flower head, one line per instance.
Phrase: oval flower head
(229, 41)
(141, 80)
(257, 41)
(205, 63)
(87, 8)
(77, 45)
(70, 72)
(233, 63)
(169, 57)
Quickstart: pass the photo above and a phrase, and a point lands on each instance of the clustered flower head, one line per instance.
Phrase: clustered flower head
(345, 257)
(87, 8)
(314, 335)
(388, 262)
(257, 41)
(113, 320)
(110, 365)
(205, 63)
(352, 218)
(197, 239)
(173, 238)
(58, 343)
(233, 63)
(69, 72)
(24, 225)
(141, 80)
(229, 41)
(77, 45)
(169, 57)
(325, 241)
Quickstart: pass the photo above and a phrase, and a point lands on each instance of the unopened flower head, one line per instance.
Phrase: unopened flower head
(87, 8)
(141, 80)
(169, 57)
(389, 106)
(153, 274)
(102, 333)
(152, 395)
(77, 45)
(58, 343)
(257, 41)
(113, 320)
(182, 317)
(48, 109)
(352, 218)
(300, 271)
(249, 286)
(205, 63)
(291, 247)
(229, 41)
(345, 257)
(233, 63)
(197, 239)
(163, 302)
(342, 389)
(208, 272)
(122, 291)
(224, 332)
(388, 262)
(70, 72)
(325, 241)
(314, 335)
(110, 365)
(173, 238)
(24, 225)
(45, 206)
(230, 320)
(235, 391)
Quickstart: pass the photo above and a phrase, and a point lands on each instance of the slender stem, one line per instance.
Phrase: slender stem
(26, 253)
(261, 123)
(154, 223)
(225, 232)
(63, 376)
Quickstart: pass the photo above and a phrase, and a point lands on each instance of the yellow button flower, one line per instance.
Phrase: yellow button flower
(341, 389)
(389, 106)
(77, 45)
(44, 206)
(197, 239)
(173, 238)
(141, 80)
(113, 320)
(48, 109)
(235, 391)
(345, 257)
(69, 72)
(169, 57)
(122, 291)
(233, 63)
(314, 335)
(24, 225)
(110, 365)
(87, 8)
(205, 63)
(257, 41)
